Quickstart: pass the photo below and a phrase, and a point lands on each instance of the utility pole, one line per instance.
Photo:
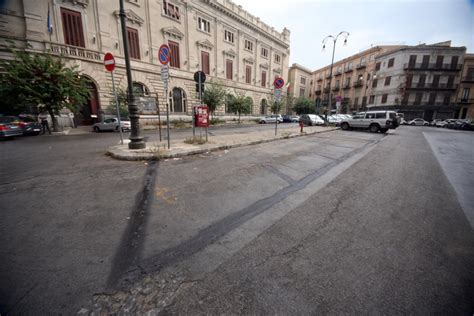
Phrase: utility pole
(136, 141)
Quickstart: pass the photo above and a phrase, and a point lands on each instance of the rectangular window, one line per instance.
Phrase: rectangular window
(421, 81)
(248, 74)
(133, 43)
(371, 99)
(205, 62)
(277, 58)
(447, 98)
(174, 48)
(409, 81)
(465, 94)
(450, 82)
(435, 81)
(264, 78)
(264, 52)
(204, 25)
(391, 62)
(302, 90)
(412, 61)
(405, 98)
(426, 61)
(439, 61)
(377, 66)
(229, 36)
(418, 98)
(228, 67)
(454, 62)
(387, 80)
(171, 10)
(356, 101)
(72, 28)
(432, 98)
(303, 80)
(374, 83)
(384, 98)
(248, 45)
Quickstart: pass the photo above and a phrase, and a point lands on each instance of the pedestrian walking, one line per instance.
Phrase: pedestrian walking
(43, 117)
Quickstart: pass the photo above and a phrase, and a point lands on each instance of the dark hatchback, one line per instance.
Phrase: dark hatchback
(29, 125)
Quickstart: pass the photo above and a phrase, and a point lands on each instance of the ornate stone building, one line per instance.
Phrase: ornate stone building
(233, 47)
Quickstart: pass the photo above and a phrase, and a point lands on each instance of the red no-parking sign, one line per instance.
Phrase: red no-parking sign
(164, 54)
(109, 62)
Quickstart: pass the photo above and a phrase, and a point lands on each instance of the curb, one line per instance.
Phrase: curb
(120, 154)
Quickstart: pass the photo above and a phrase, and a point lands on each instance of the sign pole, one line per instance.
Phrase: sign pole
(167, 117)
(159, 116)
(117, 106)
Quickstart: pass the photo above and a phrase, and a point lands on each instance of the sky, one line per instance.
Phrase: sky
(369, 22)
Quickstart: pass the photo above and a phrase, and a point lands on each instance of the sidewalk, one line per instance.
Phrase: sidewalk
(178, 148)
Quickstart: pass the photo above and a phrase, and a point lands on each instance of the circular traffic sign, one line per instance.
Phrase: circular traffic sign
(109, 62)
(200, 76)
(164, 54)
(278, 83)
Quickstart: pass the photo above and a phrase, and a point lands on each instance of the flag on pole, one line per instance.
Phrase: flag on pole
(288, 85)
(50, 28)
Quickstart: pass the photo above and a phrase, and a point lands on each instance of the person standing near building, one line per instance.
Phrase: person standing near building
(43, 118)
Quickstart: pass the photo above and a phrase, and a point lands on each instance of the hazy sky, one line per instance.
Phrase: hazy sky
(369, 22)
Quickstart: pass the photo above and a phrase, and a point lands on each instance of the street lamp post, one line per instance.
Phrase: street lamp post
(334, 39)
(136, 141)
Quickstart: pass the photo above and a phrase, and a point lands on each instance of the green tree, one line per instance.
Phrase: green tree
(276, 106)
(303, 106)
(239, 104)
(43, 81)
(214, 95)
(123, 103)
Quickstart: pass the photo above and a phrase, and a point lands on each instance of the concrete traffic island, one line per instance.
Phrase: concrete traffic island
(178, 148)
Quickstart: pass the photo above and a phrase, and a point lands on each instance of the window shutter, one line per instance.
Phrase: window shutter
(72, 28)
(174, 47)
(264, 79)
(133, 43)
(205, 62)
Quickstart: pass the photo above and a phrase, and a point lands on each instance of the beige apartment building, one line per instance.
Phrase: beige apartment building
(233, 47)
(300, 81)
(352, 80)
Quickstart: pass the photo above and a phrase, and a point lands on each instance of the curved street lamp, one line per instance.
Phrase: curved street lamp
(334, 40)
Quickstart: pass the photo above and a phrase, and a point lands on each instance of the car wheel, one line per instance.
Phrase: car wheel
(263, 122)
(374, 128)
(96, 129)
(345, 126)
(425, 124)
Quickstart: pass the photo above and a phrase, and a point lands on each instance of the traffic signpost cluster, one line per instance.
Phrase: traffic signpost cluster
(109, 63)
(278, 83)
(164, 56)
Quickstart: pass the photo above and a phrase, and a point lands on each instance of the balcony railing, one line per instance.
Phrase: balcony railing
(361, 65)
(319, 79)
(73, 51)
(336, 88)
(337, 73)
(348, 69)
(430, 86)
(317, 91)
(346, 86)
(422, 66)
(467, 79)
(358, 84)
(326, 90)
(466, 100)
(328, 76)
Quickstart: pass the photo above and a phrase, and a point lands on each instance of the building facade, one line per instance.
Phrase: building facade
(300, 81)
(419, 81)
(465, 96)
(352, 79)
(234, 48)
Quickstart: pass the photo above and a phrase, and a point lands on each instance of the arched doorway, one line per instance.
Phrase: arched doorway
(263, 107)
(89, 113)
(177, 101)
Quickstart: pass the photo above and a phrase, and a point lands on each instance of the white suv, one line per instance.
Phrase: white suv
(373, 120)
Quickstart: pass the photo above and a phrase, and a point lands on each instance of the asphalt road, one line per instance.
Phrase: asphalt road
(343, 222)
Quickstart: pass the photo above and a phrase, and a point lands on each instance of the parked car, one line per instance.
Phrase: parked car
(311, 119)
(29, 125)
(466, 125)
(8, 127)
(419, 122)
(433, 122)
(111, 124)
(291, 118)
(452, 124)
(271, 119)
(373, 120)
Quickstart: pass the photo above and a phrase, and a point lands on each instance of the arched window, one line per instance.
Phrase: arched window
(177, 101)
(140, 90)
(263, 106)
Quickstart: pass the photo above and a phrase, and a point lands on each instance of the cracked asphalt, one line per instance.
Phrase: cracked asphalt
(342, 222)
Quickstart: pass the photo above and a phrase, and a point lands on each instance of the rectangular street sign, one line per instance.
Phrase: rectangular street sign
(277, 95)
(165, 72)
